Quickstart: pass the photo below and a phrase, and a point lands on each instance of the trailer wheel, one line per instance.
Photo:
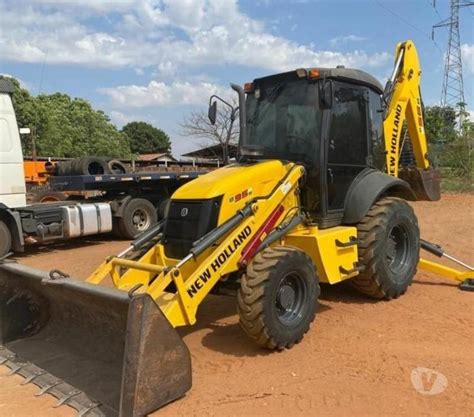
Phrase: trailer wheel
(389, 249)
(138, 216)
(5, 239)
(278, 295)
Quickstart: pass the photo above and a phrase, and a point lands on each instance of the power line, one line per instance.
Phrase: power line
(401, 18)
(433, 4)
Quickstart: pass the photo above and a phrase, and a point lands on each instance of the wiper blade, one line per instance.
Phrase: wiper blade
(275, 92)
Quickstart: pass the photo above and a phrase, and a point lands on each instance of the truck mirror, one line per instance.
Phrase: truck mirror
(212, 112)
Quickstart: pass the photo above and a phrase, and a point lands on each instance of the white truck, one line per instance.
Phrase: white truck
(128, 204)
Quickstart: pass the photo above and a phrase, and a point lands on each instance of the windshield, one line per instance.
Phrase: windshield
(284, 122)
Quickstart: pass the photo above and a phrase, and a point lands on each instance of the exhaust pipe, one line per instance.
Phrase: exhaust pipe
(96, 349)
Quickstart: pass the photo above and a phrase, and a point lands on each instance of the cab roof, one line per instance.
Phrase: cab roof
(340, 73)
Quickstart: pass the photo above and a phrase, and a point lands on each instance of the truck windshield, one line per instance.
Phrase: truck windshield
(284, 122)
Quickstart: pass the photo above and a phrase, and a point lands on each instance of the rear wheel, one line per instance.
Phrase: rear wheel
(389, 249)
(5, 239)
(138, 216)
(278, 296)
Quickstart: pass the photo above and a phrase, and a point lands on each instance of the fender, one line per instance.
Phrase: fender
(118, 206)
(367, 188)
(13, 221)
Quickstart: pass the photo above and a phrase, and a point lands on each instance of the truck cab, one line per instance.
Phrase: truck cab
(12, 179)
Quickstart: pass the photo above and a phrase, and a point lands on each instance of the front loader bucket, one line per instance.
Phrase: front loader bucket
(425, 183)
(93, 348)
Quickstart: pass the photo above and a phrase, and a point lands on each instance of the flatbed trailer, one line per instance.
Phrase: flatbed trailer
(122, 182)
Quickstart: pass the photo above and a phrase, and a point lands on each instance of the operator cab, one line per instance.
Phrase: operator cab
(329, 120)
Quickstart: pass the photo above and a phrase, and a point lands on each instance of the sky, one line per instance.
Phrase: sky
(157, 60)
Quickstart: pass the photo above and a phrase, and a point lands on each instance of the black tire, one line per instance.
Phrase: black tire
(137, 217)
(64, 168)
(278, 296)
(92, 165)
(5, 239)
(117, 167)
(389, 249)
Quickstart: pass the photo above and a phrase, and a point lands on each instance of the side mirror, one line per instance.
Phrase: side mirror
(212, 112)
(325, 94)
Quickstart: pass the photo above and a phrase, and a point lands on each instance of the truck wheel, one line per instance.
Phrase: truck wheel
(389, 249)
(278, 297)
(138, 216)
(5, 239)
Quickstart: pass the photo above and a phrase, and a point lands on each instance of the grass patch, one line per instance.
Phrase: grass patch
(453, 183)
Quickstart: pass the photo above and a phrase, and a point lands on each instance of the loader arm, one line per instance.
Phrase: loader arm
(214, 256)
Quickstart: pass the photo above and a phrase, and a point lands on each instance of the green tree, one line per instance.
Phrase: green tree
(145, 138)
(440, 123)
(66, 127)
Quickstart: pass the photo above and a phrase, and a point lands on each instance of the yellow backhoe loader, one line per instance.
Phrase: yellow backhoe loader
(319, 194)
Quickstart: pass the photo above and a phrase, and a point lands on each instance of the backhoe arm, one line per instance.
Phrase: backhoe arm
(402, 96)
(404, 106)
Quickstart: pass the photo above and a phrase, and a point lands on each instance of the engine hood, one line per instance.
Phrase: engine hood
(261, 177)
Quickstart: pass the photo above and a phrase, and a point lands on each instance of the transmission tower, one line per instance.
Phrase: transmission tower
(453, 86)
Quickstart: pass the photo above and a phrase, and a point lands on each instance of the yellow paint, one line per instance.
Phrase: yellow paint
(405, 105)
(445, 271)
(321, 246)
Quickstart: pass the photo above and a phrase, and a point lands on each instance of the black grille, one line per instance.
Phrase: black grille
(187, 221)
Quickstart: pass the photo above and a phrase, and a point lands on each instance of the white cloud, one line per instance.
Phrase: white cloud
(346, 39)
(164, 34)
(160, 94)
(468, 57)
(120, 119)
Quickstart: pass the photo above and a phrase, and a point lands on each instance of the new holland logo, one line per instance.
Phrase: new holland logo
(184, 212)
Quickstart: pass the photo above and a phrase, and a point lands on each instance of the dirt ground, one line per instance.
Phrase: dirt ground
(356, 360)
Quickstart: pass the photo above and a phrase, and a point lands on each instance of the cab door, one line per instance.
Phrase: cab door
(346, 142)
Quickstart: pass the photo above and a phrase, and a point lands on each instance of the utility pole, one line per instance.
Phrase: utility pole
(452, 94)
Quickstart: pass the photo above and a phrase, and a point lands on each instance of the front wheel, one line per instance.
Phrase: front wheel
(278, 295)
(389, 249)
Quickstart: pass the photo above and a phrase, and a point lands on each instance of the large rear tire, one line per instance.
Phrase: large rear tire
(278, 295)
(5, 239)
(389, 249)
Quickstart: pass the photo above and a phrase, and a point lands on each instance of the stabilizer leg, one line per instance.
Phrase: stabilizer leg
(466, 277)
